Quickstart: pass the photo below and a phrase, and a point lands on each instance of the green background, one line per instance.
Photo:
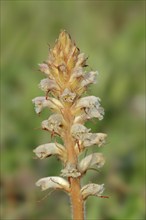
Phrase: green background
(112, 34)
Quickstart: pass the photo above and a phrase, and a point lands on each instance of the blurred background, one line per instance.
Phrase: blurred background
(111, 34)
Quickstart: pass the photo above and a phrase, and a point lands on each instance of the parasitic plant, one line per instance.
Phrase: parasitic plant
(64, 86)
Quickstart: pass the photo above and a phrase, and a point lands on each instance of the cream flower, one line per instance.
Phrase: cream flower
(79, 131)
(46, 150)
(91, 160)
(52, 103)
(81, 59)
(92, 189)
(54, 123)
(89, 107)
(76, 73)
(54, 182)
(82, 134)
(94, 138)
(44, 68)
(47, 85)
(89, 78)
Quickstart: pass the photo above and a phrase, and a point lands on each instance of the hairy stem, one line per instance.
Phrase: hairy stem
(76, 199)
(75, 193)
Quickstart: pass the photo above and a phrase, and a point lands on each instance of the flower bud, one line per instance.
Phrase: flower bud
(54, 182)
(92, 189)
(46, 150)
(91, 160)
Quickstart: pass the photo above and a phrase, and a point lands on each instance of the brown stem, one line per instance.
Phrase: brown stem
(76, 199)
(75, 193)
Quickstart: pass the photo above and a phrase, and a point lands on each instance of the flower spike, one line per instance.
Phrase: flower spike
(64, 85)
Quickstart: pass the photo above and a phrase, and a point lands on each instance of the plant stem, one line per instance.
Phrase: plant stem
(76, 199)
(75, 193)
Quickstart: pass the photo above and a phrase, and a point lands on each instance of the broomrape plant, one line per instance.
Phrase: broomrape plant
(65, 83)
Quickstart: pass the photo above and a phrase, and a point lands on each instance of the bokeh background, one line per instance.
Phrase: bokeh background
(112, 34)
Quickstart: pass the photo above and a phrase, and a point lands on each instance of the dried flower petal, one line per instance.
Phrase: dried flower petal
(41, 102)
(54, 182)
(68, 96)
(92, 189)
(46, 150)
(70, 171)
(54, 123)
(91, 160)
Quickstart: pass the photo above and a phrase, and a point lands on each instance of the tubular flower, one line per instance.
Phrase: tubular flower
(64, 86)
(54, 124)
(53, 182)
(41, 102)
(47, 85)
(86, 139)
(89, 107)
(91, 160)
(92, 189)
(47, 150)
(89, 78)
